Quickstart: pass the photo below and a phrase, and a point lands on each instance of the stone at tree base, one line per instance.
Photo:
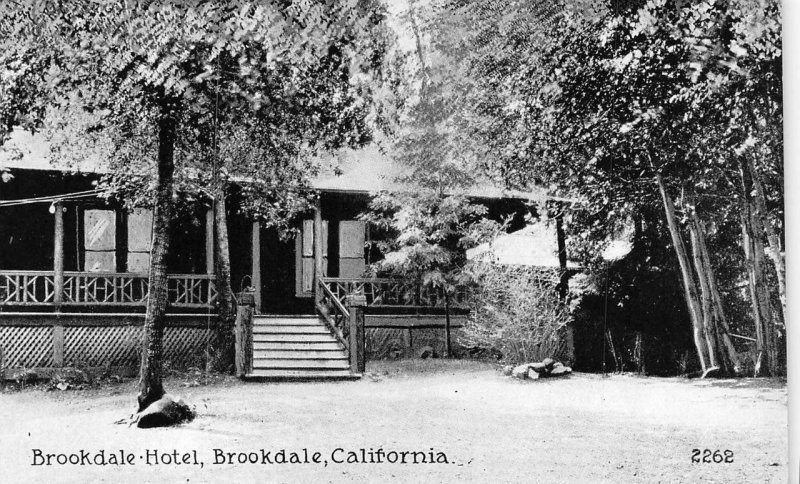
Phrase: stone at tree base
(425, 352)
(507, 370)
(520, 371)
(557, 364)
(533, 374)
(165, 412)
(548, 363)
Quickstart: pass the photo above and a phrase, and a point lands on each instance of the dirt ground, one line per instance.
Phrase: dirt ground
(585, 428)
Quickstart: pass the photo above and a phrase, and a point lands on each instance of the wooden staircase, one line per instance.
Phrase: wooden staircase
(297, 347)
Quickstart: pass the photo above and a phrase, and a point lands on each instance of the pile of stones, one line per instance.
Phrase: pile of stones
(547, 368)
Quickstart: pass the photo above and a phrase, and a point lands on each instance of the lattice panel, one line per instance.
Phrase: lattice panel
(102, 345)
(185, 347)
(120, 345)
(27, 347)
(383, 342)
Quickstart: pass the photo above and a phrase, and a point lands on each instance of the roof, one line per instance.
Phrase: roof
(535, 245)
(365, 170)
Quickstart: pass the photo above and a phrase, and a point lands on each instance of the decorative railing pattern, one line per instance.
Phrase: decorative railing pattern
(394, 293)
(333, 310)
(24, 288)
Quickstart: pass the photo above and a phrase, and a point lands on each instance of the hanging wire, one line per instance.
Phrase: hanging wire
(52, 198)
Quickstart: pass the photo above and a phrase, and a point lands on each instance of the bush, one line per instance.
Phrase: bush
(516, 311)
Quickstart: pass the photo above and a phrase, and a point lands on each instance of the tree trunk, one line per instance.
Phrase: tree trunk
(689, 285)
(762, 295)
(563, 282)
(150, 384)
(705, 296)
(722, 330)
(752, 283)
(775, 248)
(752, 232)
(447, 342)
(222, 268)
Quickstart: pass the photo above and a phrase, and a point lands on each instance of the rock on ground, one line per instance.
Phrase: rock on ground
(520, 371)
(165, 412)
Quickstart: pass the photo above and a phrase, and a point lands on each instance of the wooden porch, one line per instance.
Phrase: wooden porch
(94, 321)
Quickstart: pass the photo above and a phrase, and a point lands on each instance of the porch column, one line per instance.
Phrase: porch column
(318, 262)
(210, 241)
(58, 282)
(256, 268)
(58, 254)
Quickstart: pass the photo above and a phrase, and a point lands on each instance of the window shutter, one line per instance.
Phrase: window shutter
(351, 248)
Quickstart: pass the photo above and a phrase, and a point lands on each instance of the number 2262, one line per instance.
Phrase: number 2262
(708, 456)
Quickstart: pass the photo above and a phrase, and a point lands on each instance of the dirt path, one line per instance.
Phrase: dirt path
(491, 429)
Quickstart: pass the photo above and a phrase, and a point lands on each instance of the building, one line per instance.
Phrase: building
(73, 275)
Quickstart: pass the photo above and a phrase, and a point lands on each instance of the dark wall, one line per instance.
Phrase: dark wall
(27, 231)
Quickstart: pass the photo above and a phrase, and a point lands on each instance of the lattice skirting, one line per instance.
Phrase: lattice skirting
(26, 346)
(397, 342)
(97, 346)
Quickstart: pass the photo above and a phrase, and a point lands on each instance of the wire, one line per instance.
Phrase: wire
(52, 198)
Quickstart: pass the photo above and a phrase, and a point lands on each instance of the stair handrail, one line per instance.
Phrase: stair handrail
(333, 312)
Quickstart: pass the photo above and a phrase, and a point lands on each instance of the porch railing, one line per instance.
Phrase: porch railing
(394, 293)
(32, 288)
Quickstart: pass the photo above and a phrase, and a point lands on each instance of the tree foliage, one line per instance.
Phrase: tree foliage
(166, 82)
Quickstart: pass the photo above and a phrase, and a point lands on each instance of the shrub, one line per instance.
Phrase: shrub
(516, 311)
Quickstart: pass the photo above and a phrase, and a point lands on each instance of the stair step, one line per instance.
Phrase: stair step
(303, 374)
(289, 322)
(335, 354)
(285, 316)
(294, 329)
(307, 364)
(293, 338)
(297, 346)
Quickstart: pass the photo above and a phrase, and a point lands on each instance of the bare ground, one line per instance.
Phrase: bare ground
(585, 428)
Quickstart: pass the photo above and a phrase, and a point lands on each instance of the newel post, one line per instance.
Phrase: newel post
(243, 333)
(355, 305)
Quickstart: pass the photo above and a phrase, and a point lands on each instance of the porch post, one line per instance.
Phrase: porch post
(256, 268)
(243, 334)
(355, 305)
(318, 263)
(58, 282)
(210, 241)
(58, 254)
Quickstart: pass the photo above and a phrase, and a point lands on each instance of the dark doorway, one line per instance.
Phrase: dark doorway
(278, 277)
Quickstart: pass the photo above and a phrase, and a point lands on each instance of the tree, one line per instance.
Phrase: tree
(148, 67)
(603, 105)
